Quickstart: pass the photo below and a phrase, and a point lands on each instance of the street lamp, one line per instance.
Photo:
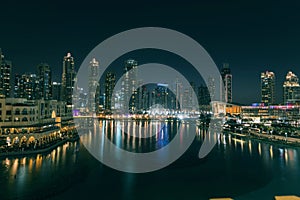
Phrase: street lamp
(285, 136)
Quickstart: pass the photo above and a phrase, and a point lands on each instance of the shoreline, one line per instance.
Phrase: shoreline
(39, 151)
(279, 140)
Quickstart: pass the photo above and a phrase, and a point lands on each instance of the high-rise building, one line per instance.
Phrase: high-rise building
(203, 95)
(129, 86)
(211, 86)
(5, 76)
(267, 87)
(45, 83)
(68, 79)
(26, 86)
(110, 81)
(144, 96)
(291, 89)
(178, 95)
(56, 91)
(227, 81)
(93, 84)
(161, 95)
(18, 84)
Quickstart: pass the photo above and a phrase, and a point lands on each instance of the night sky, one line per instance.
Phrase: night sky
(252, 36)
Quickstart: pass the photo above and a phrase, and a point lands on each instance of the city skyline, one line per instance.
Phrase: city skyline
(68, 62)
(245, 35)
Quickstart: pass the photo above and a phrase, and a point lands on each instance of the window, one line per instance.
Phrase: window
(17, 111)
(24, 111)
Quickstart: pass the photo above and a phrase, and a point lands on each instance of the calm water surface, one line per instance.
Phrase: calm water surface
(241, 169)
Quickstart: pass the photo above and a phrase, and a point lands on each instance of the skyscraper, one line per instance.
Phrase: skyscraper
(161, 95)
(110, 81)
(203, 95)
(56, 91)
(267, 87)
(291, 89)
(129, 86)
(93, 84)
(45, 83)
(178, 95)
(68, 79)
(227, 81)
(5, 76)
(26, 86)
(211, 86)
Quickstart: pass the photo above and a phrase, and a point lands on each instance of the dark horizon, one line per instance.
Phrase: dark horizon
(251, 36)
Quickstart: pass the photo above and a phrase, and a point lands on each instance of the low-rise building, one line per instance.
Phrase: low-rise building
(33, 123)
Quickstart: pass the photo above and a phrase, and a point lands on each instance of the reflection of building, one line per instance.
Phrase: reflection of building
(5, 76)
(291, 89)
(68, 79)
(45, 84)
(227, 81)
(267, 87)
(110, 81)
(93, 84)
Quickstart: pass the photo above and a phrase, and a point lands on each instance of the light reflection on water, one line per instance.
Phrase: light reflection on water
(232, 157)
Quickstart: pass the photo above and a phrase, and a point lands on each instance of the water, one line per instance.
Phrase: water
(241, 169)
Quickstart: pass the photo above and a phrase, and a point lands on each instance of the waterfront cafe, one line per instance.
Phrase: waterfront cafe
(283, 113)
(28, 123)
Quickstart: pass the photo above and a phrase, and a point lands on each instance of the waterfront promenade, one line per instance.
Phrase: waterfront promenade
(37, 151)
(276, 138)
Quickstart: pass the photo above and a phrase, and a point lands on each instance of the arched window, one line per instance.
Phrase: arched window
(24, 119)
(24, 111)
(17, 111)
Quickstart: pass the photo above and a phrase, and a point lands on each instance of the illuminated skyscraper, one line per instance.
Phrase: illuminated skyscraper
(227, 81)
(179, 95)
(45, 83)
(110, 81)
(68, 79)
(291, 89)
(161, 95)
(26, 86)
(5, 76)
(267, 87)
(129, 86)
(211, 86)
(93, 84)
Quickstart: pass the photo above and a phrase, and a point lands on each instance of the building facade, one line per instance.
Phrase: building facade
(68, 79)
(26, 86)
(227, 81)
(45, 81)
(93, 85)
(291, 89)
(110, 81)
(33, 123)
(267, 87)
(5, 76)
